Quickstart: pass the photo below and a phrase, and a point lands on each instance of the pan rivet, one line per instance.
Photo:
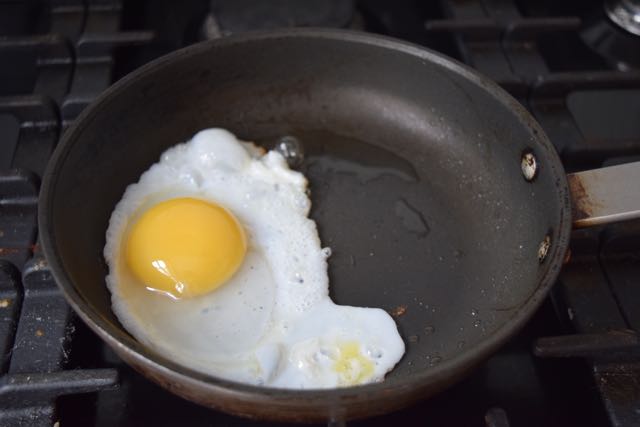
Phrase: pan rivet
(529, 166)
(543, 250)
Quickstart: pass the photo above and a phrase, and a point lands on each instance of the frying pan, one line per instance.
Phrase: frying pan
(441, 197)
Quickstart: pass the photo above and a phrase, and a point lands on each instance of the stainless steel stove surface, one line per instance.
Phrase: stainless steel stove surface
(574, 65)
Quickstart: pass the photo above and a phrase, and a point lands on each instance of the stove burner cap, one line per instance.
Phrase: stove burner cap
(625, 13)
(235, 16)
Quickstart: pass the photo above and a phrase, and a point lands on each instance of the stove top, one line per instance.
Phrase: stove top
(576, 68)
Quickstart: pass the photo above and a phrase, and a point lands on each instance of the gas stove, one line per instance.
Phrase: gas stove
(574, 65)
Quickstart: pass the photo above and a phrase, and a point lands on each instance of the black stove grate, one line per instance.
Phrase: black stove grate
(576, 362)
(54, 59)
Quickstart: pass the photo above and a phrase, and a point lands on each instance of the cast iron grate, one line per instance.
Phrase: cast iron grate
(54, 59)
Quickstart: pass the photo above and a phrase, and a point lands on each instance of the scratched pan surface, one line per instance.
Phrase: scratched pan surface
(416, 182)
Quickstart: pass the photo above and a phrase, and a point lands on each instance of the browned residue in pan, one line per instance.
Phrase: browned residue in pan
(398, 311)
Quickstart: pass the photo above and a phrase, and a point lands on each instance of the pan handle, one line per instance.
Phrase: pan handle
(602, 196)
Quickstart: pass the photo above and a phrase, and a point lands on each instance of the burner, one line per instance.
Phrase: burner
(227, 17)
(615, 34)
(625, 13)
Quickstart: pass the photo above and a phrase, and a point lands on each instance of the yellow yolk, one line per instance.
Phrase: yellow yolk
(352, 367)
(185, 247)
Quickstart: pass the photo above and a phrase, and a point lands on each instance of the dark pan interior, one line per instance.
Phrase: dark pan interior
(414, 173)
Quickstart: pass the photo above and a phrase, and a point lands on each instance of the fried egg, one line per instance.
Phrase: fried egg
(215, 265)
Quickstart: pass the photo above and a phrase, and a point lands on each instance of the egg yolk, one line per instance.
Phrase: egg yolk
(185, 247)
(351, 366)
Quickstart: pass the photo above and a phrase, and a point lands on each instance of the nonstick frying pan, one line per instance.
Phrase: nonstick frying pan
(441, 197)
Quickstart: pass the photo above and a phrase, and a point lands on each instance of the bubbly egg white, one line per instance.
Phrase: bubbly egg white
(273, 323)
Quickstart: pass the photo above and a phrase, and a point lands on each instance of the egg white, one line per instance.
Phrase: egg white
(273, 323)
